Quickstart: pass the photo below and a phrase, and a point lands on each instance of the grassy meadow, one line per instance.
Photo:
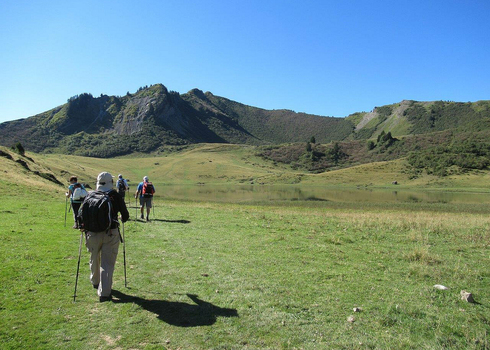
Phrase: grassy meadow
(207, 275)
(239, 164)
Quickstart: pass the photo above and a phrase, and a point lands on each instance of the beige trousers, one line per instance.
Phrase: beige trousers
(103, 248)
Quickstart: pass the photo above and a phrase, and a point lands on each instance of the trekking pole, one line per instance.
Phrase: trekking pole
(66, 207)
(78, 266)
(124, 255)
(136, 206)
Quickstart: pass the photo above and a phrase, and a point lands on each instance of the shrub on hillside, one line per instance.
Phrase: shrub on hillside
(19, 148)
(465, 154)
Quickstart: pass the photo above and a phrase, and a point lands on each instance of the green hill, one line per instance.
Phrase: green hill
(154, 117)
(439, 137)
(281, 126)
(215, 164)
(411, 117)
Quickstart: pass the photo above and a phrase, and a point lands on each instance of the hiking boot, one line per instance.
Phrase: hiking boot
(147, 218)
(142, 217)
(75, 227)
(104, 299)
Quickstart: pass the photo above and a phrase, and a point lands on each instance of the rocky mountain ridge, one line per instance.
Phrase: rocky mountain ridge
(155, 117)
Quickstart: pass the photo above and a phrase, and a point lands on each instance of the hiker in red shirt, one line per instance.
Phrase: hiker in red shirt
(145, 191)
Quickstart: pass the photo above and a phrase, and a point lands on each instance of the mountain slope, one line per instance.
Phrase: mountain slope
(412, 117)
(154, 118)
(281, 126)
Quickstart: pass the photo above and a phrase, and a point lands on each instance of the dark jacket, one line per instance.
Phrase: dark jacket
(119, 206)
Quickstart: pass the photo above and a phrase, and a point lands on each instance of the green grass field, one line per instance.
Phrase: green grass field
(206, 275)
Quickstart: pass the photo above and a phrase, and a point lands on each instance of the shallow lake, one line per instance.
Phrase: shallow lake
(286, 193)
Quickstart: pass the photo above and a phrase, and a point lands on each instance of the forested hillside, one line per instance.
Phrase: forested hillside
(437, 137)
(154, 117)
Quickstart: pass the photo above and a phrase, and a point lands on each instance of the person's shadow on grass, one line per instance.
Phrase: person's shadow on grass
(179, 313)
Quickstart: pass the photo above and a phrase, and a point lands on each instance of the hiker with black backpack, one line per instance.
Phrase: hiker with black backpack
(76, 193)
(122, 186)
(145, 191)
(98, 219)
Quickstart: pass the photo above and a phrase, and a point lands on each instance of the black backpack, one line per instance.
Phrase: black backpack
(96, 213)
(120, 186)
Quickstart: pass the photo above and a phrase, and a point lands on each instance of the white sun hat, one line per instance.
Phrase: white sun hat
(104, 182)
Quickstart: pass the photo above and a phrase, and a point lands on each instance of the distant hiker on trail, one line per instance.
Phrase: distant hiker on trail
(145, 191)
(122, 186)
(76, 193)
(102, 235)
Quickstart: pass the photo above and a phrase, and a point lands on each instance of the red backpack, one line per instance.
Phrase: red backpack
(148, 189)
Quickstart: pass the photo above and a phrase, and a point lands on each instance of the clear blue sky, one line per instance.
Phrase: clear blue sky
(321, 57)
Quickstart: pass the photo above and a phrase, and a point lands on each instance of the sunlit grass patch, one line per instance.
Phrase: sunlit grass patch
(422, 254)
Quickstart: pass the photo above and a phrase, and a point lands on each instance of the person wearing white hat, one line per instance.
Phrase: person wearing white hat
(103, 246)
(122, 186)
(145, 191)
